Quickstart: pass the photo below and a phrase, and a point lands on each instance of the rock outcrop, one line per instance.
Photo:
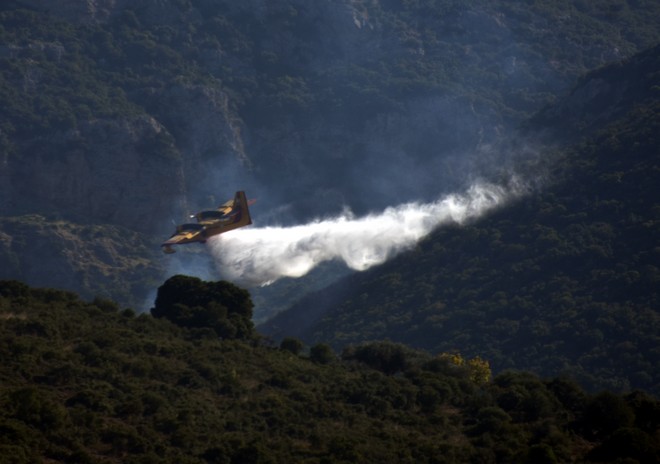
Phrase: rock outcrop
(93, 260)
(125, 172)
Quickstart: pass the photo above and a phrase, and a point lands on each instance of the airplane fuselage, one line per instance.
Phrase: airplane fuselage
(230, 216)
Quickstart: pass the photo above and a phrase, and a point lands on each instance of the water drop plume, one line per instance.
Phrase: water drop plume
(260, 255)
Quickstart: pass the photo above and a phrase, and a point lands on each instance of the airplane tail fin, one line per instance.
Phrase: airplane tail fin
(245, 209)
(243, 217)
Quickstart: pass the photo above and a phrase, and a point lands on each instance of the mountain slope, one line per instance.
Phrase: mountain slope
(83, 382)
(131, 115)
(564, 280)
(101, 258)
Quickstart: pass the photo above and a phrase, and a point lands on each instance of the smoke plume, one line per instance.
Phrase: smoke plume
(260, 255)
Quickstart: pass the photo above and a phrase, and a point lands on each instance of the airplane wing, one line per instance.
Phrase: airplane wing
(185, 233)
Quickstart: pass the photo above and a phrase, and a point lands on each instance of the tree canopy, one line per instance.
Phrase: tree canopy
(218, 306)
(89, 382)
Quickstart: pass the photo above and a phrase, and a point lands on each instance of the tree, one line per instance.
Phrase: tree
(321, 353)
(192, 303)
(292, 345)
(480, 372)
(541, 454)
(605, 413)
(627, 442)
(386, 357)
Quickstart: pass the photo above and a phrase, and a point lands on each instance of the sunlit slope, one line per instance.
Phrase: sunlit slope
(565, 280)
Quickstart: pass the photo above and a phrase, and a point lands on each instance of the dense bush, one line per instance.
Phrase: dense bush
(83, 383)
(192, 303)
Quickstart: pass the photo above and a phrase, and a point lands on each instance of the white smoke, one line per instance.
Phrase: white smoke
(260, 255)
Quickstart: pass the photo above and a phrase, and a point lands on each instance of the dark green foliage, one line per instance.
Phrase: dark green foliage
(627, 443)
(192, 303)
(82, 383)
(541, 454)
(14, 289)
(85, 382)
(569, 394)
(605, 413)
(386, 357)
(321, 353)
(35, 408)
(646, 410)
(283, 64)
(291, 344)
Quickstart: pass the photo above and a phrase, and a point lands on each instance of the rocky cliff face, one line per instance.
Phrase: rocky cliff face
(124, 172)
(94, 260)
(209, 136)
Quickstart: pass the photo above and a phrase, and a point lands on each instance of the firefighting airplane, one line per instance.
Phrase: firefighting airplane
(230, 216)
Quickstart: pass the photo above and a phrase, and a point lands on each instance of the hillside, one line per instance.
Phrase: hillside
(105, 260)
(565, 280)
(117, 114)
(82, 381)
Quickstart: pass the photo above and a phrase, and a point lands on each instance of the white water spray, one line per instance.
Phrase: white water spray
(261, 255)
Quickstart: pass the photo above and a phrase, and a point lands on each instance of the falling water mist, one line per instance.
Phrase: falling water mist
(261, 255)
